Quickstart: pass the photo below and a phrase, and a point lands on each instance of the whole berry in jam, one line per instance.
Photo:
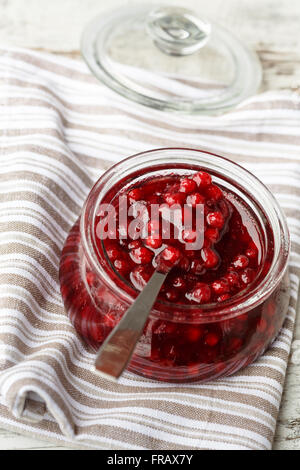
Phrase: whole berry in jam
(187, 185)
(247, 276)
(141, 255)
(154, 241)
(210, 258)
(189, 236)
(193, 333)
(211, 339)
(201, 294)
(202, 179)
(215, 220)
(233, 279)
(171, 254)
(195, 199)
(214, 193)
(240, 262)
(135, 194)
(251, 252)
(174, 198)
(221, 286)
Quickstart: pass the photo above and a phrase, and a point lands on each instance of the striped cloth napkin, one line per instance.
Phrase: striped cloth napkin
(60, 130)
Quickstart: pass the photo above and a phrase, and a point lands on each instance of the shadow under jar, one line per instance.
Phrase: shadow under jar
(184, 339)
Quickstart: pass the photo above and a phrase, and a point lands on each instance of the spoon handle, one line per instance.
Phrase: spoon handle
(116, 351)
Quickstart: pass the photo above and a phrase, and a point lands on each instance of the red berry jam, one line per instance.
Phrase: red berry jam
(229, 231)
(214, 313)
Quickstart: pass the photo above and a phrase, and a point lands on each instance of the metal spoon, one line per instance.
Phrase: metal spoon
(116, 351)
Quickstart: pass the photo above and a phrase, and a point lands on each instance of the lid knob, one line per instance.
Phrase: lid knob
(177, 31)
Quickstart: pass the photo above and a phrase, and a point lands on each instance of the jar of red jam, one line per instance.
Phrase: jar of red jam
(223, 302)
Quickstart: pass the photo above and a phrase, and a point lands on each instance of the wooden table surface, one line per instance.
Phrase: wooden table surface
(271, 27)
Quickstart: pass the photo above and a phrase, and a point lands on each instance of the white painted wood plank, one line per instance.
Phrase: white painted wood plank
(13, 441)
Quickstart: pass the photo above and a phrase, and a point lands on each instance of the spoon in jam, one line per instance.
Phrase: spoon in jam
(116, 351)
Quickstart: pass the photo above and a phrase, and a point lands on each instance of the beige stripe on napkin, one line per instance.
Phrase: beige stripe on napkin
(60, 129)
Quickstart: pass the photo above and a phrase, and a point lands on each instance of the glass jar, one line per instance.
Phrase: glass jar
(95, 297)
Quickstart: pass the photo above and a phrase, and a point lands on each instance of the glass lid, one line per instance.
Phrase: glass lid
(170, 58)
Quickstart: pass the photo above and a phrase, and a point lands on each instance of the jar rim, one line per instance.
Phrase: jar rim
(217, 163)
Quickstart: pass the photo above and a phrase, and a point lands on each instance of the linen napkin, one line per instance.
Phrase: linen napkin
(60, 129)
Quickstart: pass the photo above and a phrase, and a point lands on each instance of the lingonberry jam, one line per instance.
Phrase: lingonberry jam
(225, 298)
(226, 261)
